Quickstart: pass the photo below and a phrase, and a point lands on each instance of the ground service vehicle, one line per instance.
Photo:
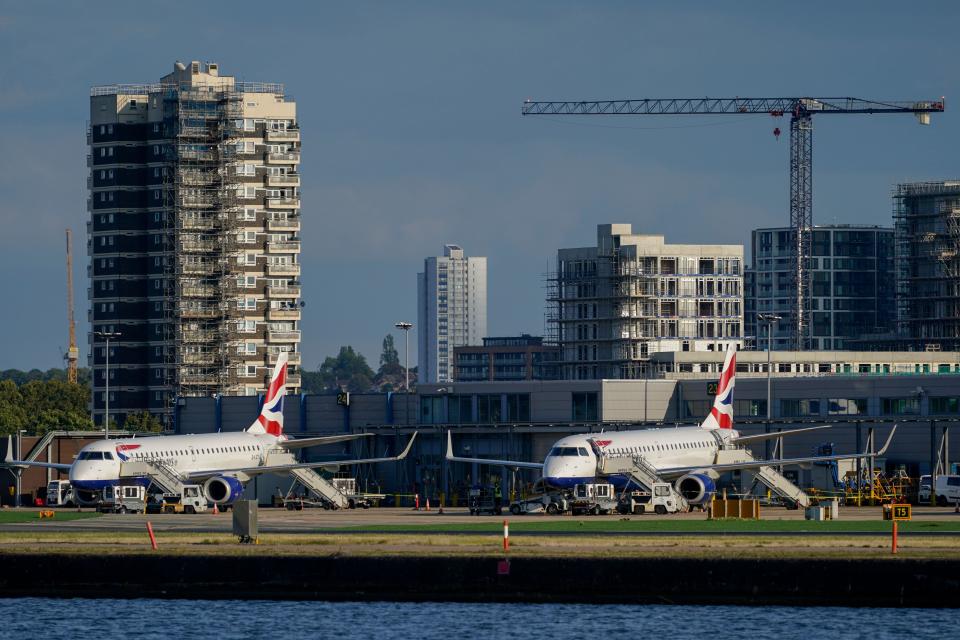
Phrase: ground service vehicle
(660, 501)
(550, 503)
(60, 494)
(189, 500)
(130, 499)
(481, 499)
(947, 490)
(594, 499)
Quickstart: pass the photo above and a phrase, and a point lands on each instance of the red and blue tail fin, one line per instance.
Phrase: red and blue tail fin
(721, 415)
(270, 419)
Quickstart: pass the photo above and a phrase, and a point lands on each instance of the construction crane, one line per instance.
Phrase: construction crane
(73, 354)
(801, 112)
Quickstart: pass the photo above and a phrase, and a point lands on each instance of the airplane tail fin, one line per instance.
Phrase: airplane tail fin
(270, 419)
(721, 415)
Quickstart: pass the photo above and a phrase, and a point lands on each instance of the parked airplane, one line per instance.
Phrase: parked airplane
(222, 462)
(686, 455)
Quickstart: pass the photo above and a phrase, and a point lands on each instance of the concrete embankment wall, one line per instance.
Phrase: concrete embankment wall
(887, 582)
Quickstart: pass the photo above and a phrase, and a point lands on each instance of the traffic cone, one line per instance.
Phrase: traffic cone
(428, 504)
(216, 511)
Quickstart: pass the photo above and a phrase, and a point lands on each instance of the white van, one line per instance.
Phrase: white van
(947, 490)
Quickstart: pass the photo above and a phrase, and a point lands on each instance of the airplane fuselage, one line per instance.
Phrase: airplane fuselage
(572, 460)
(99, 463)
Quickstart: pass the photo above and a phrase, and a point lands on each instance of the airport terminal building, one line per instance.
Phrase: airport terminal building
(862, 393)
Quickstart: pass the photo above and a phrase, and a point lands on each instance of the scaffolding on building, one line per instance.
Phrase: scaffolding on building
(927, 227)
(201, 216)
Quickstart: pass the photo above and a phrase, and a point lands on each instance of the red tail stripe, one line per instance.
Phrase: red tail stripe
(727, 374)
(276, 385)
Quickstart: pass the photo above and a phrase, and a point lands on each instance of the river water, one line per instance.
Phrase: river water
(228, 619)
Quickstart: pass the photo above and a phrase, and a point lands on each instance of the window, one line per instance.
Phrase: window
(585, 407)
(460, 409)
(847, 406)
(488, 408)
(431, 410)
(900, 406)
(945, 405)
(752, 408)
(518, 407)
(794, 408)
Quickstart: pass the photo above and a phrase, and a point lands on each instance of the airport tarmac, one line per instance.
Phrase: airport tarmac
(272, 520)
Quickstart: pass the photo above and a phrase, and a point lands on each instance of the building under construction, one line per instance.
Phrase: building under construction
(927, 224)
(613, 305)
(193, 239)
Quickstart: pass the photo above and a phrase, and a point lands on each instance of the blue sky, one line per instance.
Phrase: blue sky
(413, 137)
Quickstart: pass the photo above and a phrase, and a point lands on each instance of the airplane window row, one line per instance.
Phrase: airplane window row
(183, 452)
(676, 446)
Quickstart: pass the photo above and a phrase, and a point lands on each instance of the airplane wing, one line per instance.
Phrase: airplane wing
(672, 472)
(31, 463)
(499, 463)
(280, 468)
(773, 436)
(302, 443)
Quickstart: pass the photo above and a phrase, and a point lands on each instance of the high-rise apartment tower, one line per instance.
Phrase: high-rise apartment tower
(193, 238)
(451, 310)
(613, 305)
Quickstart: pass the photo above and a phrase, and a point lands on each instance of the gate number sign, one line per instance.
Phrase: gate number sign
(901, 511)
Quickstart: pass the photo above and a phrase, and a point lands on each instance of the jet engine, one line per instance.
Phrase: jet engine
(697, 488)
(222, 489)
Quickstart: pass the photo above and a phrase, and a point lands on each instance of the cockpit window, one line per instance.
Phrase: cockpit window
(93, 455)
(567, 451)
(107, 455)
(582, 451)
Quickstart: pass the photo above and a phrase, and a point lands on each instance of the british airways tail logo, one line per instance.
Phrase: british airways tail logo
(123, 449)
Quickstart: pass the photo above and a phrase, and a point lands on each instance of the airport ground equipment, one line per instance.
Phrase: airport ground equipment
(245, 521)
(593, 498)
(60, 494)
(552, 503)
(801, 112)
(160, 474)
(643, 474)
(481, 499)
(663, 499)
(768, 476)
(190, 499)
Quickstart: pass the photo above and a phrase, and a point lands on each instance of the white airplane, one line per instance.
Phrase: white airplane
(686, 455)
(222, 462)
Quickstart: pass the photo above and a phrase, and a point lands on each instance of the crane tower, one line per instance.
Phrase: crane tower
(73, 354)
(801, 112)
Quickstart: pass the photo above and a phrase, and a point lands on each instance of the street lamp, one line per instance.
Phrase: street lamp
(106, 419)
(770, 319)
(405, 327)
(19, 474)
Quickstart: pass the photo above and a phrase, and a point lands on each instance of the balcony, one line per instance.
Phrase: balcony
(283, 314)
(283, 203)
(199, 312)
(293, 379)
(283, 269)
(290, 224)
(196, 224)
(283, 292)
(290, 135)
(198, 291)
(199, 358)
(283, 247)
(283, 158)
(283, 336)
(293, 357)
(289, 180)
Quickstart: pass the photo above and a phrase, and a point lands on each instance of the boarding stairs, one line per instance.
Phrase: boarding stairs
(161, 474)
(638, 469)
(767, 476)
(318, 486)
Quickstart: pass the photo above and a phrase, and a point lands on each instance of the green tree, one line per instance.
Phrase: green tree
(56, 404)
(142, 421)
(389, 356)
(349, 369)
(13, 415)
